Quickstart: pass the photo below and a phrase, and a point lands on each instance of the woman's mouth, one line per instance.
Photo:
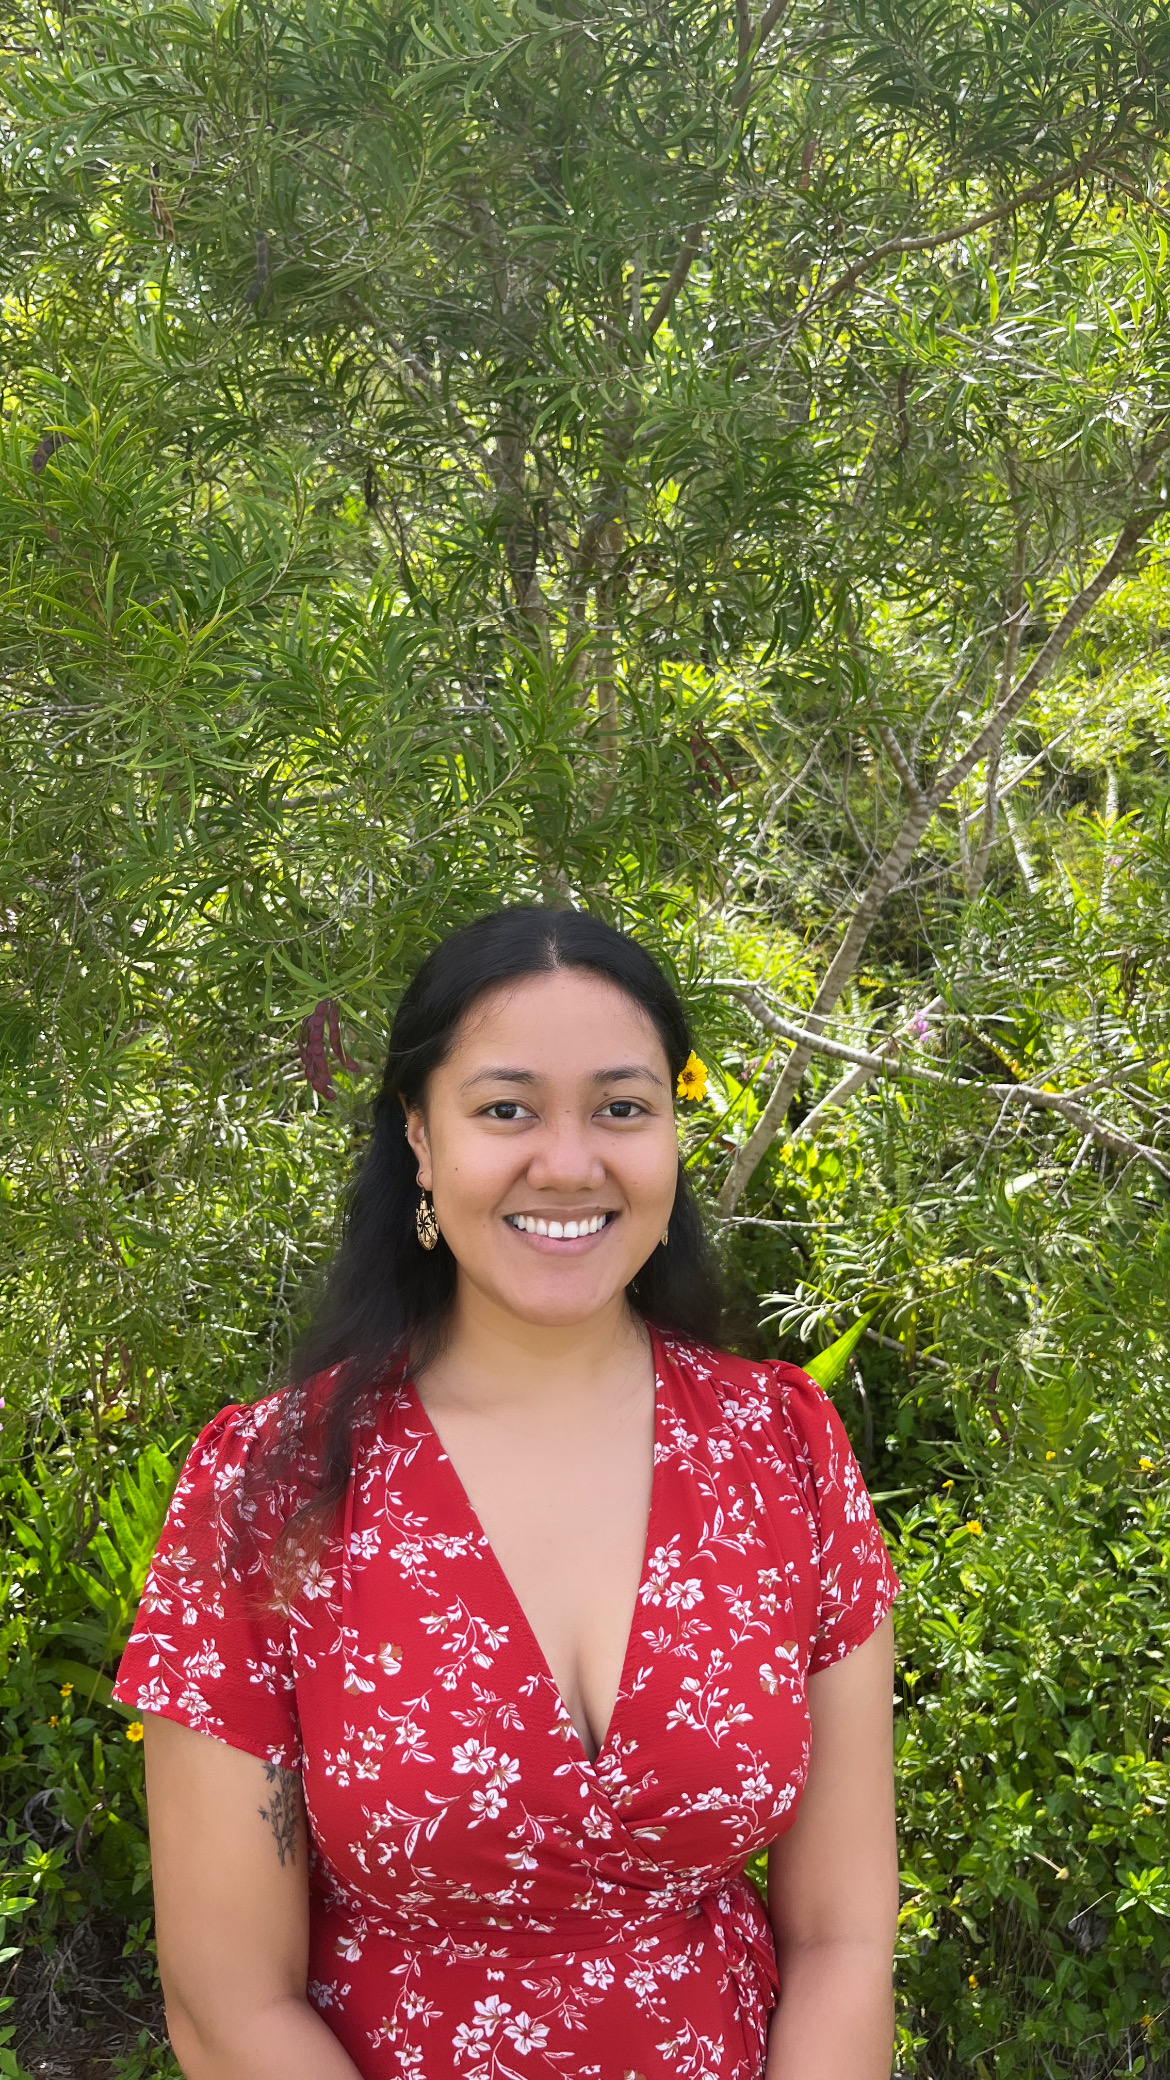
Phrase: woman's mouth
(559, 1230)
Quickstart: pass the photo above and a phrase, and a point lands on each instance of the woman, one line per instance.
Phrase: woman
(477, 1662)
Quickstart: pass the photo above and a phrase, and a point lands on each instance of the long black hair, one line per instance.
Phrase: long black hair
(386, 1299)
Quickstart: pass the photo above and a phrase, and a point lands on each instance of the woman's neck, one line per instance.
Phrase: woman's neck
(492, 1360)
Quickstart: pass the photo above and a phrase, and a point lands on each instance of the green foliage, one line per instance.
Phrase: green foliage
(828, 1367)
(482, 454)
(1035, 1770)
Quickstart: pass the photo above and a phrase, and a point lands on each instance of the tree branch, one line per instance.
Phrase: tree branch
(888, 874)
(860, 1075)
(1006, 711)
(929, 241)
(899, 761)
(750, 43)
(1030, 1094)
(689, 251)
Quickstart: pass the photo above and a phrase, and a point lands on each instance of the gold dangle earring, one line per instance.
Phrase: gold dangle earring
(426, 1226)
(665, 1237)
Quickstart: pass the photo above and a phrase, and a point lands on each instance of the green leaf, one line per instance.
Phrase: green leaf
(829, 1365)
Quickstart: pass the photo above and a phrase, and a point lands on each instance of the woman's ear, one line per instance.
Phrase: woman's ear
(416, 1134)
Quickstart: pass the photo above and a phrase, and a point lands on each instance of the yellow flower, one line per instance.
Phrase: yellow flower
(972, 1981)
(948, 1484)
(692, 1077)
(1145, 1465)
(1050, 1455)
(66, 1689)
(975, 1527)
(54, 1721)
(135, 1730)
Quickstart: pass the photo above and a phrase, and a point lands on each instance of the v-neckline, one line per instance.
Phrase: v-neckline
(542, 1666)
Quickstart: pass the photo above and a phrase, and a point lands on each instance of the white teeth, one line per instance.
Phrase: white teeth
(567, 1231)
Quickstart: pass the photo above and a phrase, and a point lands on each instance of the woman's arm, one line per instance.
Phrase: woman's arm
(228, 1845)
(833, 1882)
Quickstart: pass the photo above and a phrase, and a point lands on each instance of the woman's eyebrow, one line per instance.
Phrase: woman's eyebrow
(525, 1076)
(639, 1071)
(624, 1073)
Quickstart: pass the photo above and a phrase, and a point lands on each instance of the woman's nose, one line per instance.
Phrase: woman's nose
(566, 1156)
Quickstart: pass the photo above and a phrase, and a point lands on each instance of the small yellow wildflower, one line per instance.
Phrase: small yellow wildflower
(66, 1689)
(972, 1981)
(1147, 2022)
(1145, 1465)
(54, 1721)
(948, 1484)
(975, 1528)
(135, 1730)
(692, 1077)
(1050, 1455)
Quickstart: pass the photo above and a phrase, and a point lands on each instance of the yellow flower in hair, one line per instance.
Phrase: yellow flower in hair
(692, 1077)
(1145, 1465)
(66, 1689)
(135, 1730)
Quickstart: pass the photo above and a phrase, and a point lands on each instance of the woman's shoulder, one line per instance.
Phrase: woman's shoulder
(750, 1391)
(224, 1448)
(786, 1417)
(240, 1475)
(245, 1432)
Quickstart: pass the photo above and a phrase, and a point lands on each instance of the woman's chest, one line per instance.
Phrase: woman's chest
(440, 1758)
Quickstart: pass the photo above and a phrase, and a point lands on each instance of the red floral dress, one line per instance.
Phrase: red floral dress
(487, 1903)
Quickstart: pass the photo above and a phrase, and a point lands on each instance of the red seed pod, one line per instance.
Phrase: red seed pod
(314, 1060)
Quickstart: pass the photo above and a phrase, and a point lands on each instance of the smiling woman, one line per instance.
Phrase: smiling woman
(524, 1611)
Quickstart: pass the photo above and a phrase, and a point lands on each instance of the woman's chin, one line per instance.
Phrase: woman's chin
(559, 1297)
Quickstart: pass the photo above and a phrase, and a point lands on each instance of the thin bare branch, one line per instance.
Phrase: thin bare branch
(1006, 711)
(859, 1076)
(1030, 1094)
(689, 251)
(750, 44)
(898, 760)
(756, 42)
(889, 873)
(930, 241)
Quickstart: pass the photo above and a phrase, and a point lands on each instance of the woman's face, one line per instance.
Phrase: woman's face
(548, 1143)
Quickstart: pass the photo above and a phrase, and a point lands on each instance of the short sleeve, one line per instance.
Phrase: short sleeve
(858, 1583)
(210, 1646)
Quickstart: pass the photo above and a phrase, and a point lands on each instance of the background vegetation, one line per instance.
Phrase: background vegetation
(706, 466)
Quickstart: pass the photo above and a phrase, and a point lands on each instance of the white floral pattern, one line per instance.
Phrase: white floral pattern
(487, 1903)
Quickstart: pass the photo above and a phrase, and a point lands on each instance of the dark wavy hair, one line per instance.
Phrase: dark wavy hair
(385, 1298)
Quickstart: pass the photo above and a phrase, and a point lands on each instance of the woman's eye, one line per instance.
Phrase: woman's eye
(505, 1109)
(622, 1108)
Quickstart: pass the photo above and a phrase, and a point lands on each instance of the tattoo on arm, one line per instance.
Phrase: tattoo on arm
(283, 1811)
